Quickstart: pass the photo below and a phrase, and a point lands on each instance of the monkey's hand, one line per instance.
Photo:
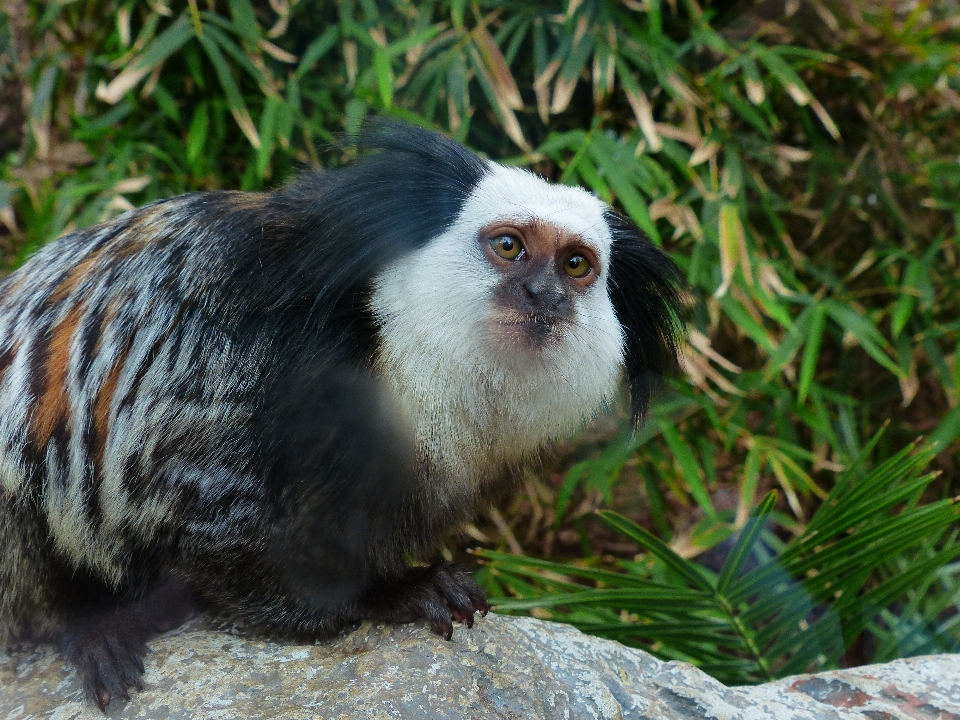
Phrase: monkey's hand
(440, 594)
(107, 647)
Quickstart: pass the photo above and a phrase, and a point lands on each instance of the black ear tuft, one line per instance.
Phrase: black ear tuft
(645, 288)
(331, 231)
(442, 170)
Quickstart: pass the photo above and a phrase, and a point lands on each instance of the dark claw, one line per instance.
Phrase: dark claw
(441, 594)
(102, 698)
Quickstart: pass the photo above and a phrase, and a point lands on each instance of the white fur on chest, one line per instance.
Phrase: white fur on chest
(480, 404)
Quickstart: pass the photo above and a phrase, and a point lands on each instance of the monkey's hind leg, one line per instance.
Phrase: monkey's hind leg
(107, 645)
(440, 594)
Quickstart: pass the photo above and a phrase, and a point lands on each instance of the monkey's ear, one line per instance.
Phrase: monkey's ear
(645, 287)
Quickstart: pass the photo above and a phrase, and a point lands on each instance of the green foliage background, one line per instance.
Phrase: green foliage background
(799, 160)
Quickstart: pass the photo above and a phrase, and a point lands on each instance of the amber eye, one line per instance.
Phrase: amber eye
(507, 247)
(576, 266)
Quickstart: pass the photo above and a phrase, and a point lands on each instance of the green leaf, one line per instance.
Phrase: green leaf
(689, 467)
(268, 126)
(947, 431)
(381, 65)
(866, 333)
(234, 99)
(793, 340)
(239, 56)
(622, 185)
(43, 93)
(197, 134)
(811, 352)
(744, 547)
(746, 322)
(245, 19)
(650, 600)
(785, 75)
(167, 42)
(457, 8)
(399, 47)
(317, 49)
(909, 292)
(640, 535)
(166, 103)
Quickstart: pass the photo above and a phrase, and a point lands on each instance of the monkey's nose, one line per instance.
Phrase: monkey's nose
(544, 295)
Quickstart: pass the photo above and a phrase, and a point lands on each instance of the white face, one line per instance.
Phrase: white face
(500, 333)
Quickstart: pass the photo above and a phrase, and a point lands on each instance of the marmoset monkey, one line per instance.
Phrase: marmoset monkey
(269, 404)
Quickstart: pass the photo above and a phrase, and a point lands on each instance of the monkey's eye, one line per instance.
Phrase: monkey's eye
(507, 247)
(576, 266)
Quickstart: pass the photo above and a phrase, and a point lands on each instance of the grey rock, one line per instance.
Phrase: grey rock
(505, 667)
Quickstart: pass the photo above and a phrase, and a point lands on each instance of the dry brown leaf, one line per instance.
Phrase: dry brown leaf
(117, 206)
(277, 53)
(123, 26)
(350, 60)
(562, 94)
(693, 139)
(541, 88)
(771, 282)
(682, 89)
(755, 91)
(910, 385)
(129, 185)
(121, 84)
(800, 96)
(825, 118)
(702, 343)
(703, 153)
(643, 111)
(242, 116)
(496, 65)
(792, 154)
(379, 35)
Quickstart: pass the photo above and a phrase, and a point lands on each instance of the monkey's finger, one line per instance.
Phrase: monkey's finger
(478, 598)
(456, 599)
(462, 592)
(434, 610)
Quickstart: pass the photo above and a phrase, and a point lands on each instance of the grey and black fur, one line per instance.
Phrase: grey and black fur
(269, 404)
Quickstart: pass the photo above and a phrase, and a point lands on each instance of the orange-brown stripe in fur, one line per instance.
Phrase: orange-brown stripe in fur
(101, 411)
(52, 407)
(73, 278)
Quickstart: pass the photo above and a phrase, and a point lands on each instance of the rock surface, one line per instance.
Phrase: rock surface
(504, 667)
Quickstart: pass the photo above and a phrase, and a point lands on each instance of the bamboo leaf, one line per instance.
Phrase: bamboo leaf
(245, 20)
(729, 229)
(689, 467)
(268, 127)
(381, 65)
(866, 333)
(197, 134)
(234, 99)
(623, 186)
(811, 353)
(786, 76)
(497, 70)
(909, 292)
(317, 49)
(162, 47)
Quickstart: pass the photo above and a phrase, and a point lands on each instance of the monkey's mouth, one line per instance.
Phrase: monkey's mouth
(532, 330)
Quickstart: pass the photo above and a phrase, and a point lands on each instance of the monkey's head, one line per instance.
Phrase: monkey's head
(512, 326)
